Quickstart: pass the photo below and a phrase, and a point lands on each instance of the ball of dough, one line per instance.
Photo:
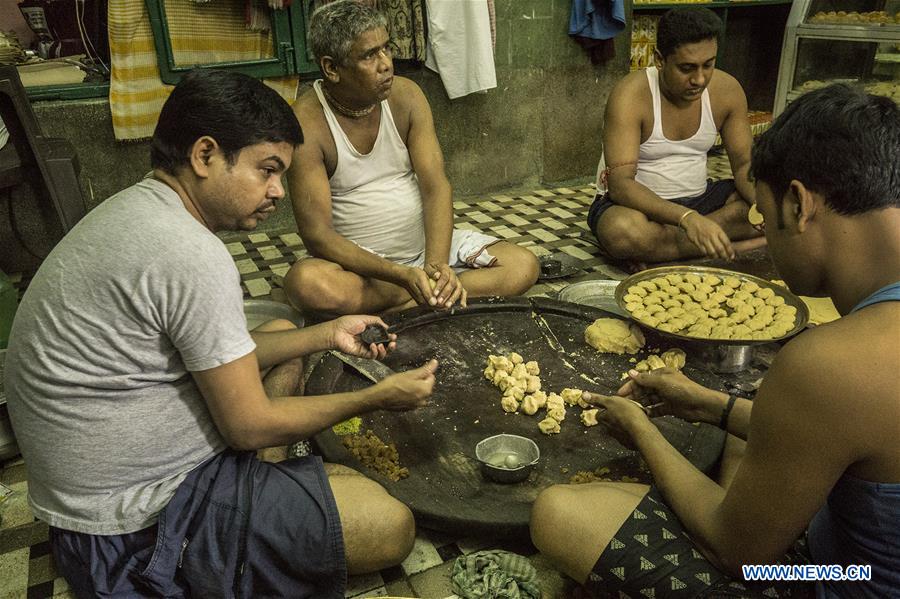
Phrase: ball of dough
(720, 332)
(533, 384)
(530, 405)
(765, 293)
(648, 285)
(589, 417)
(548, 426)
(489, 373)
(711, 280)
(633, 297)
(699, 296)
(532, 368)
(518, 371)
(637, 290)
(515, 358)
(693, 279)
(740, 331)
(775, 301)
(732, 282)
(634, 306)
(555, 400)
(677, 324)
(650, 321)
(515, 392)
(674, 358)
(557, 413)
(674, 279)
(571, 396)
(671, 303)
(503, 364)
(749, 286)
(654, 308)
(701, 331)
(509, 404)
(611, 335)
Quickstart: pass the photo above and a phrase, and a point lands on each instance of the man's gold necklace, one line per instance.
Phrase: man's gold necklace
(353, 114)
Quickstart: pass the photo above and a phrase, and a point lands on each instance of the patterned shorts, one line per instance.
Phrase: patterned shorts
(652, 556)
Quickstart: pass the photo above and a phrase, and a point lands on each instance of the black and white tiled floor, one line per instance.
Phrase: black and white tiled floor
(546, 221)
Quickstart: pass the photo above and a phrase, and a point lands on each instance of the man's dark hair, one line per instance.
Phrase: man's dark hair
(839, 142)
(686, 25)
(234, 109)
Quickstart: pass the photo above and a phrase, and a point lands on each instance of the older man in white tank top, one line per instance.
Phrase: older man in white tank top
(370, 196)
(654, 203)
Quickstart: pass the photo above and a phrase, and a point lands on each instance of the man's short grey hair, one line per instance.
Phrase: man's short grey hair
(335, 26)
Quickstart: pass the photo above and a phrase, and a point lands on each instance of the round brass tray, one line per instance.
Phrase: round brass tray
(800, 322)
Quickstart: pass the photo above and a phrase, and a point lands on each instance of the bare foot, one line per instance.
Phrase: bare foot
(747, 245)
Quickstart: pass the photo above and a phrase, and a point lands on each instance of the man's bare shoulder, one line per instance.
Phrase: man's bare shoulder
(725, 89)
(632, 87)
(406, 93)
(852, 359)
(311, 117)
(308, 104)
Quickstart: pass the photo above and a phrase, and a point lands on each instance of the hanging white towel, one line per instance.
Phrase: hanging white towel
(459, 45)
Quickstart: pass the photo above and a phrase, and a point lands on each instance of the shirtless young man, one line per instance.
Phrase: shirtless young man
(819, 482)
(660, 123)
(370, 196)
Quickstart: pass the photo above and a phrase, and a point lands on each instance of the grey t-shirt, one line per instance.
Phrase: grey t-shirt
(136, 297)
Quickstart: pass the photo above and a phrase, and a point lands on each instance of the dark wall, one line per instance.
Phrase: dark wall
(542, 123)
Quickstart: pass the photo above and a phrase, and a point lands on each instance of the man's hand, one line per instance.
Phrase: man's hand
(708, 236)
(344, 331)
(622, 416)
(679, 395)
(407, 390)
(447, 287)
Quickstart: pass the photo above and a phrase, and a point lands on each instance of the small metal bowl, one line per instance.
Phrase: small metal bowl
(507, 458)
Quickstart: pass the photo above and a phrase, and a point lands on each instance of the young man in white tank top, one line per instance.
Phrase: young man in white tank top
(370, 197)
(660, 123)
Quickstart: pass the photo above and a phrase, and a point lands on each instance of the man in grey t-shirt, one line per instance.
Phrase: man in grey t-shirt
(135, 390)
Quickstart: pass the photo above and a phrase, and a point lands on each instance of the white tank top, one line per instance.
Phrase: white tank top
(675, 169)
(375, 198)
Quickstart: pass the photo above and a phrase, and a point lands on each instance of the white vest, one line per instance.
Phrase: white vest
(375, 198)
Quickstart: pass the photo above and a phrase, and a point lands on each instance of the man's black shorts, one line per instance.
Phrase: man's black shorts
(236, 527)
(652, 556)
(715, 196)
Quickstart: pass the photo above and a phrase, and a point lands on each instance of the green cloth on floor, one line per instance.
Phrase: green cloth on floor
(494, 574)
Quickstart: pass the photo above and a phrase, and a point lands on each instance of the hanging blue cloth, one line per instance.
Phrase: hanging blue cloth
(597, 19)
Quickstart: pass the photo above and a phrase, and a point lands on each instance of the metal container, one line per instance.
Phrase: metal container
(507, 458)
(600, 293)
(800, 322)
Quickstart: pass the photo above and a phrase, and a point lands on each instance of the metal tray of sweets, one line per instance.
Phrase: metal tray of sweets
(801, 319)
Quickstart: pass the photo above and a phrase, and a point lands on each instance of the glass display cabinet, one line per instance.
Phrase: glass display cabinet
(830, 41)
